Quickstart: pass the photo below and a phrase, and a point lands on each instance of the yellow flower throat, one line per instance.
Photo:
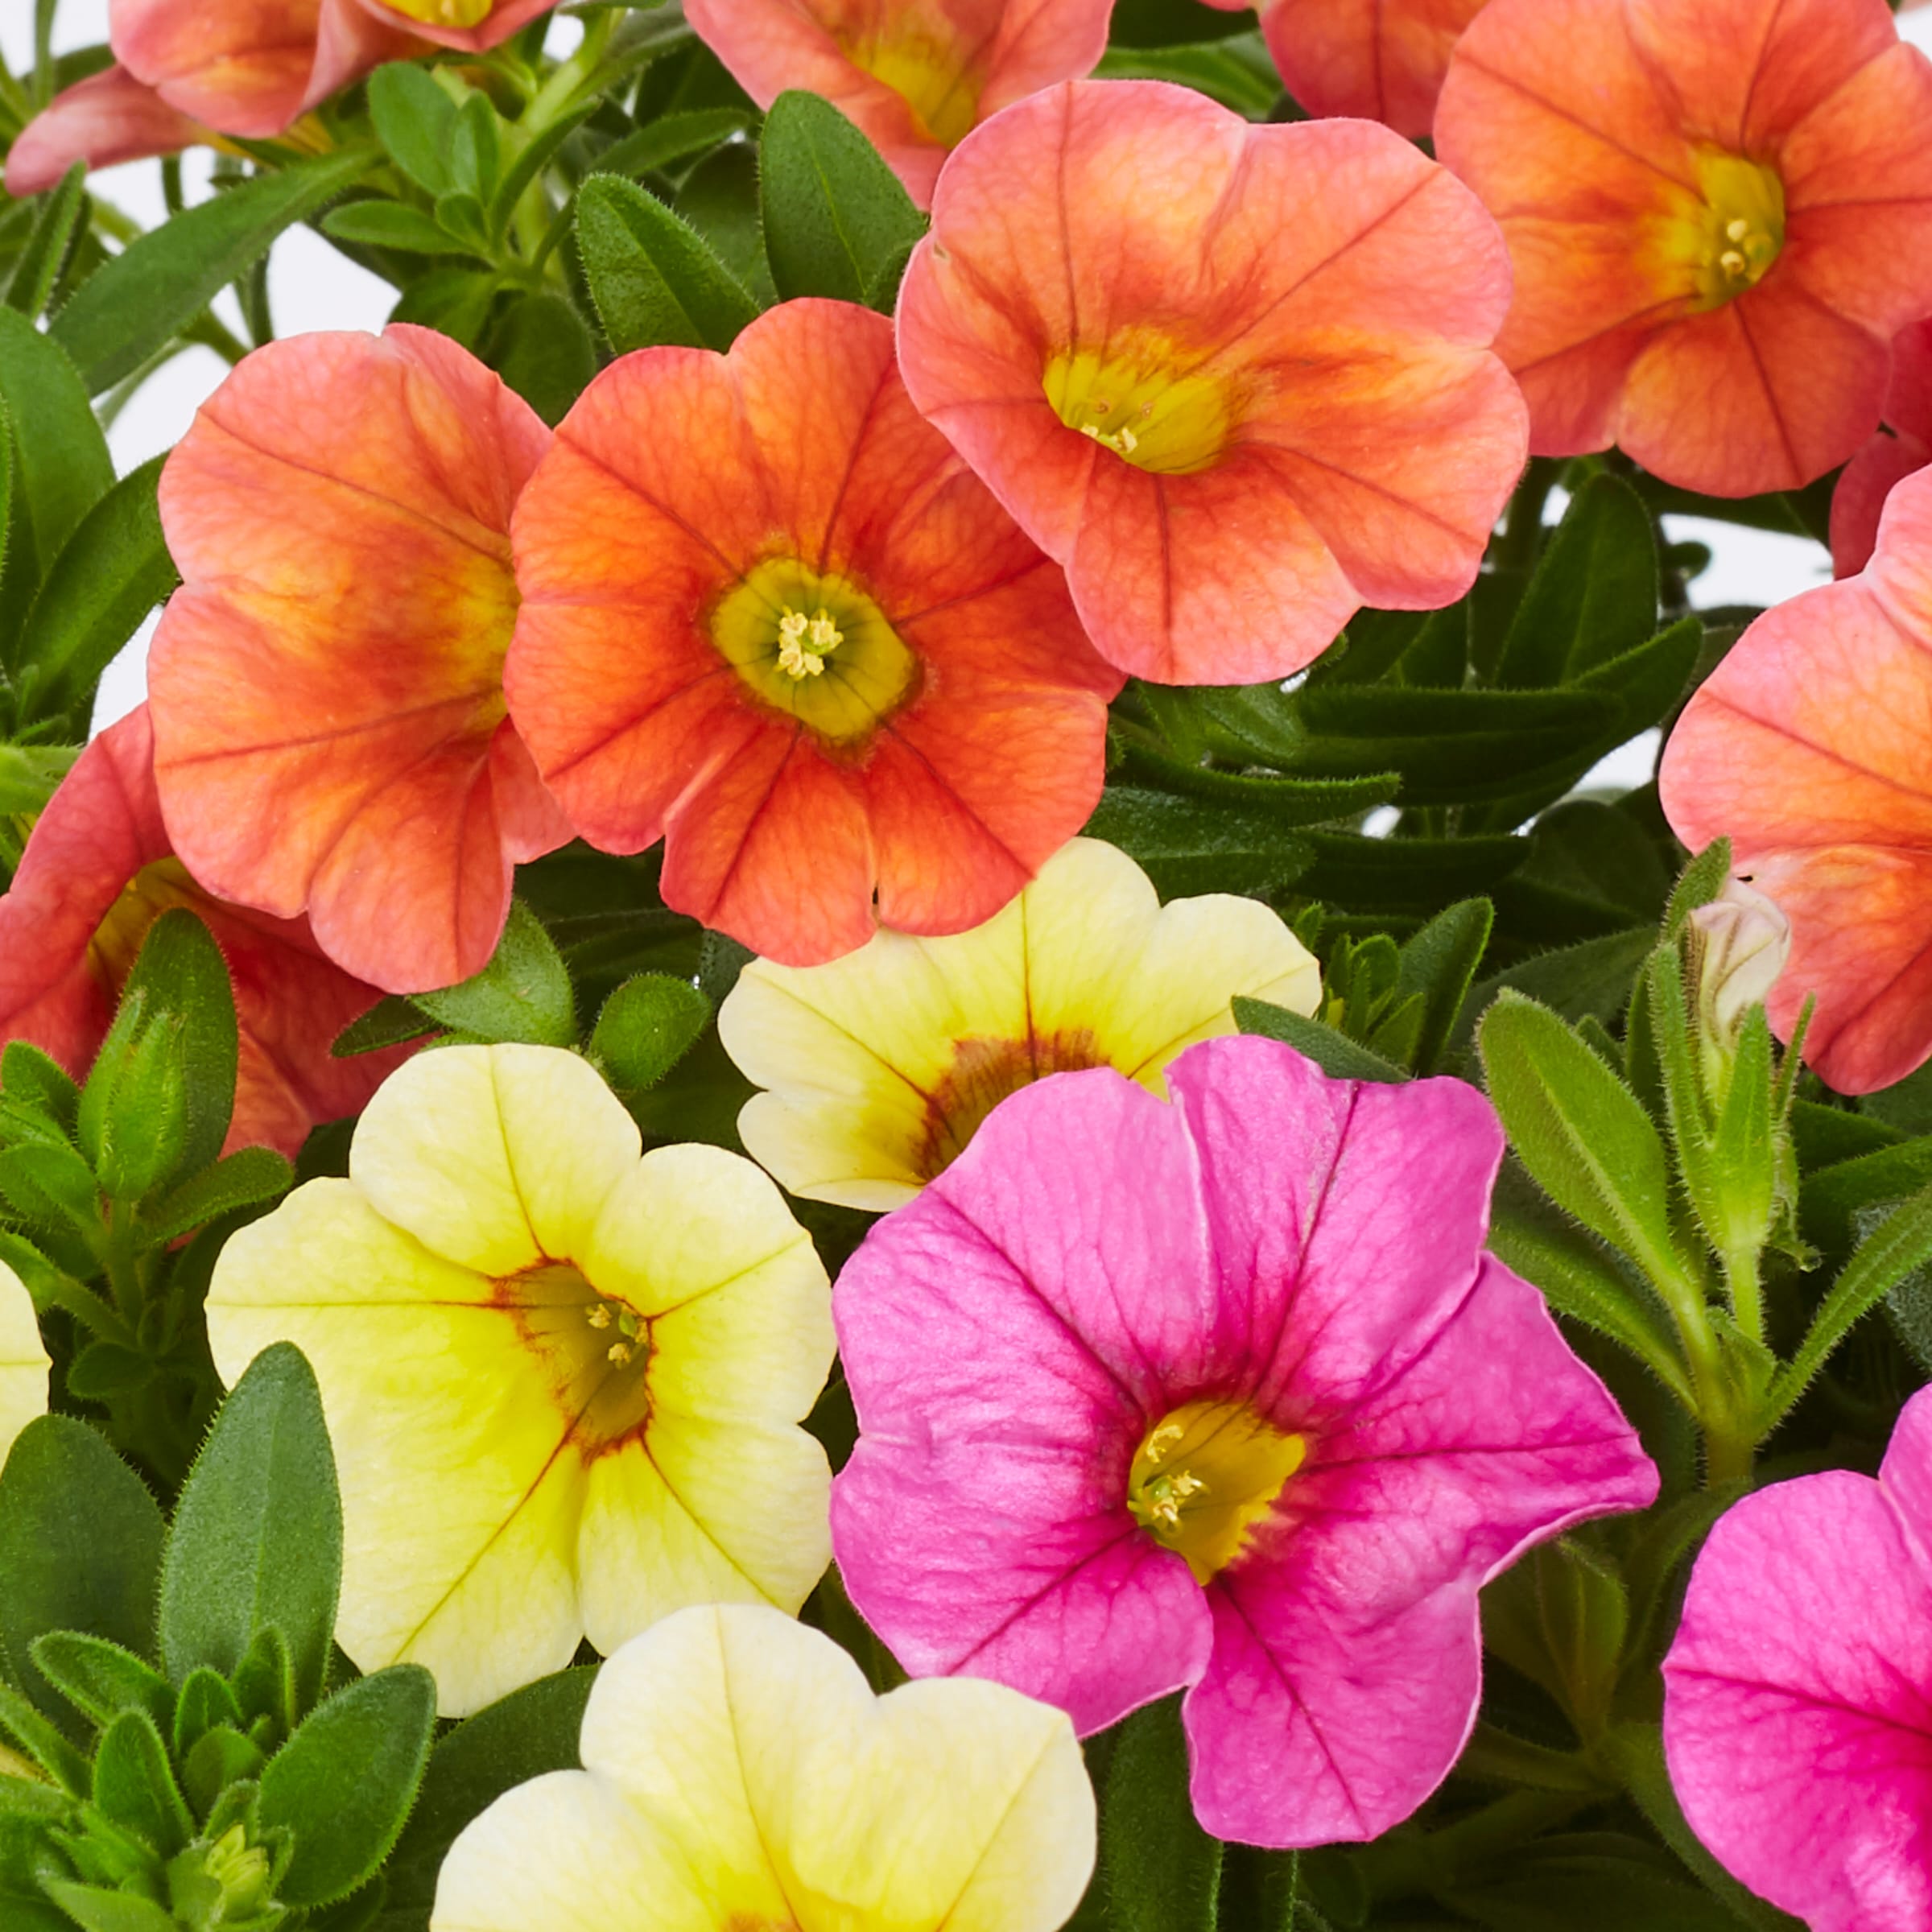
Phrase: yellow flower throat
(1725, 239)
(1205, 1476)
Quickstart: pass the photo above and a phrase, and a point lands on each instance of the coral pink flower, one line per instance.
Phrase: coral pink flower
(1859, 497)
(1720, 213)
(470, 26)
(1236, 379)
(1798, 1694)
(1223, 1394)
(330, 729)
(1381, 59)
(914, 75)
(108, 117)
(769, 617)
(98, 872)
(1808, 748)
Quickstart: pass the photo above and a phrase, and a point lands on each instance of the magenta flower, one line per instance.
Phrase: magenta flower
(1798, 1696)
(1222, 1393)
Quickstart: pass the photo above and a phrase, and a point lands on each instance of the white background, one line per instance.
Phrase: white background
(312, 287)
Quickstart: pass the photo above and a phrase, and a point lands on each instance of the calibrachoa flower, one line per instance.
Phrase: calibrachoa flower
(563, 1382)
(739, 1773)
(882, 1065)
(1223, 1394)
(769, 617)
(1798, 1706)
(1383, 59)
(23, 1361)
(1903, 445)
(330, 730)
(1807, 748)
(914, 75)
(98, 872)
(1719, 211)
(110, 117)
(1236, 379)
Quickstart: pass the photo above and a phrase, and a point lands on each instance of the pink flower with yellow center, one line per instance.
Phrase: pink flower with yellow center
(98, 872)
(1235, 379)
(331, 736)
(1221, 1394)
(1903, 445)
(1720, 213)
(1798, 1694)
(916, 76)
(1380, 60)
(769, 617)
(1807, 748)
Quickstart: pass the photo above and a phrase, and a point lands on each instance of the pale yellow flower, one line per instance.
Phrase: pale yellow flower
(23, 1363)
(741, 1774)
(563, 1381)
(882, 1065)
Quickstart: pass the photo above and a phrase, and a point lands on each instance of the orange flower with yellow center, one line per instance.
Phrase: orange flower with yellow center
(769, 617)
(1719, 213)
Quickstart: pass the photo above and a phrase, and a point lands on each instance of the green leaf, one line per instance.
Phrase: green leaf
(395, 225)
(530, 1732)
(535, 155)
(114, 570)
(524, 993)
(1592, 980)
(1833, 1198)
(1163, 1871)
(1187, 845)
(647, 1025)
(391, 1023)
(24, 1726)
(135, 1786)
(542, 348)
(30, 774)
(80, 1549)
(38, 265)
(653, 277)
(205, 1701)
(1335, 1053)
(31, 1078)
(1594, 593)
(95, 1910)
(1437, 964)
(672, 138)
(415, 122)
(257, 1539)
(835, 214)
(1703, 879)
(1287, 801)
(52, 1185)
(63, 466)
(1239, 71)
(343, 1784)
(264, 1683)
(162, 280)
(245, 1178)
(476, 148)
(102, 1679)
(1404, 874)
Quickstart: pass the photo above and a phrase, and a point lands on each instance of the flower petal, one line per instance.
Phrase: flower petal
(24, 1360)
(108, 118)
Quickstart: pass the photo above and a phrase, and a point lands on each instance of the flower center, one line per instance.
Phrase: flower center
(934, 80)
(444, 13)
(983, 1073)
(1726, 239)
(153, 891)
(1207, 1473)
(812, 644)
(1139, 401)
(595, 1349)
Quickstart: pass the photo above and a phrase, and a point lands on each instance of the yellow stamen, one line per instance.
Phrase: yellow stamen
(1724, 238)
(803, 641)
(1206, 1476)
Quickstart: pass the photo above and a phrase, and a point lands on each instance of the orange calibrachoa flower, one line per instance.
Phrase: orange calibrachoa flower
(1236, 379)
(1720, 213)
(1807, 748)
(1903, 445)
(98, 872)
(769, 617)
(330, 729)
(916, 75)
(1381, 59)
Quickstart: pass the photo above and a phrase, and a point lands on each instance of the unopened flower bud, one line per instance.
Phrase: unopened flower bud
(1742, 944)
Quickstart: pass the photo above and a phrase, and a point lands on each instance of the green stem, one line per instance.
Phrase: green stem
(557, 93)
(1746, 1291)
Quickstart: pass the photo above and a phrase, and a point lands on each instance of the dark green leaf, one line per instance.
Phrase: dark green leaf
(392, 225)
(134, 1787)
(163, 279)
(1335, 1053)
(647, 1025)
(1833, 1196)
(653, 277)
(103, 1371)
(457, 301)
(1187, 845)
(524, 993)
(102, 1679)
(1401, 874)
(204, 1702)
(835, 213)
(1287, 801)
(38, 267)
(63, 466)
(1590, 981)
(390, 1022)
(1239, 72)
(243, 1178)
(114, 570)
(257, 1539)
(1163, 1871)
(264, 1683)
(343, 1784)
(543, 348)
(80, 1549)
(671, 138)
(1437, 964)
(219, 1757)
(22, 1725)
(720, 199)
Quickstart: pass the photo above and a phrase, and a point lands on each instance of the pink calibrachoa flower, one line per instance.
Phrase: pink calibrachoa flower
(330, 729)
(771, 618)
(1808, 748)
(1903, 446)
(914, 75)
(1798, 1694)
(110, 117)
(1222, 1393)
(1720, 213)
(1381, 59)
(98, 872)
(1236, 379)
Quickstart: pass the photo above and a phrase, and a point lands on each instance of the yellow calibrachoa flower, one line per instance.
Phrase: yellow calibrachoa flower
(563, 1381)
(882, 1066)
(741, 1776)
(23, 1363)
